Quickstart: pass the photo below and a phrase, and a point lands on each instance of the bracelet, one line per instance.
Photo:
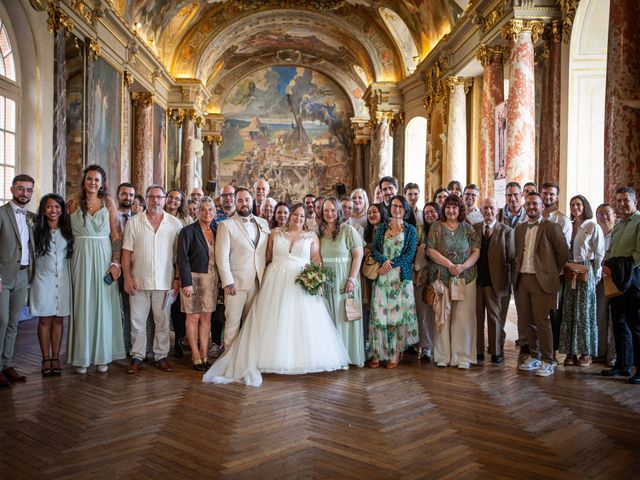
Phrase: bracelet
(114, 264)
(352, 280)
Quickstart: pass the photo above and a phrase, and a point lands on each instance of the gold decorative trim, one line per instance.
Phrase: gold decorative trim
(217, 138)
(512, 30)
(39, 5)
(94, 49)
(143, 99)
(568, 9)
(453, 82)
(128, 79)
(487, 54)
(491, 18)
(89, 15)
(57, 19)
(554, 31)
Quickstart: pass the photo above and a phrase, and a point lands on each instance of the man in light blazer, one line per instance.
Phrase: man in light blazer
(541, 254)
(497, 252)
(241, 244)
(16, 265)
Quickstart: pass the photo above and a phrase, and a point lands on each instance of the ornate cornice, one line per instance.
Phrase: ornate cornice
(90, 15)
(143, 99)
(568, 9)
(314, 5)
(491, 18)
(57, 19)
(487, 54)
(361, 131)
(453, 82)
(512, 30)
(383, 101)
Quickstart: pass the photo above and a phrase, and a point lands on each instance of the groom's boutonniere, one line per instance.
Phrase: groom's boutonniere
(30, 220)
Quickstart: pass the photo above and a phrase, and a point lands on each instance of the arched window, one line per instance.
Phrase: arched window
(586, 93)
(415, 157)
(8, 97)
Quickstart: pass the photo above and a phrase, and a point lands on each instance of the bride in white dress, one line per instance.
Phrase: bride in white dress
(287, 331)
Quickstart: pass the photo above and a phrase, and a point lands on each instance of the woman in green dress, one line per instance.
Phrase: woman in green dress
(95, 333)
(341, 248)
(393, 322)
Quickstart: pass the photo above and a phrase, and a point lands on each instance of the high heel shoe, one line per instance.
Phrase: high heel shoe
(198, 365)
(57, 371)
(46, 372)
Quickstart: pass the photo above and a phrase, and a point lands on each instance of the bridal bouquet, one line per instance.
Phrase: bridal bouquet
(314, 278)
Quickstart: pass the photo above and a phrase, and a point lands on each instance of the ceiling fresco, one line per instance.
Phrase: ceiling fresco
(354, 42)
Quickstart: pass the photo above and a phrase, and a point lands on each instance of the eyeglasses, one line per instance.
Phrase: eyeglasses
(397, 206)
(227, 195)
(24, 189)
(171, 197)
(155, 197)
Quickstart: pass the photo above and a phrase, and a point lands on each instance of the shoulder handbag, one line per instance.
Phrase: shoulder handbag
(576, 272)
(610, 289)
(370, 267)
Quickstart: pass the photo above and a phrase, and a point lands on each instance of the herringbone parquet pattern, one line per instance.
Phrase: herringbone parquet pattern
(416, 421)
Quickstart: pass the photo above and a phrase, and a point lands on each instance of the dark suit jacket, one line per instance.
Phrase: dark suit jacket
(550, 256)
(501, 254)
(10, 246)
(192, 254)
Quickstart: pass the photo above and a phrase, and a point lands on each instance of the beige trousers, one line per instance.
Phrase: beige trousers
(455, 340)
(236, 308)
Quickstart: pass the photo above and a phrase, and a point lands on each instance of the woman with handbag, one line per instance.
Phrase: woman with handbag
(579, 328)
(392, 323)
(423, 289)
(454, 248)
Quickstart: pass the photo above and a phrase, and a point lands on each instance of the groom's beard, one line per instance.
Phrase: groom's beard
(244, 211)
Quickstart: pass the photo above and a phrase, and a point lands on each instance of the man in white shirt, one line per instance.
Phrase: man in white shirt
(148, 258)
(261, 191)
(16, 240)
(470, 197)
(513, 212)
(412, 194)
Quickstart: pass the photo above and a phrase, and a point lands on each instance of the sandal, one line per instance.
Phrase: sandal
(46, 372)
(56, 372)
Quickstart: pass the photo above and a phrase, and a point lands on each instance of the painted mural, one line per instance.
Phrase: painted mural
(104, 87)
(75, 71)
(291, 126)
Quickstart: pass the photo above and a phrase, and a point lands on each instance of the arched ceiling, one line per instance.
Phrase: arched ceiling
(354, 42)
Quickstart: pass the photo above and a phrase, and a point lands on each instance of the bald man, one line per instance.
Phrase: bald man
(497, 253)
(261, 191)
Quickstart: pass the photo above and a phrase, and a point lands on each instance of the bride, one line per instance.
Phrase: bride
(287, 331)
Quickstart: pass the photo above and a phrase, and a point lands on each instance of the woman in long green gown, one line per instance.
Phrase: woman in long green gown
(95, 332)
(341, 248)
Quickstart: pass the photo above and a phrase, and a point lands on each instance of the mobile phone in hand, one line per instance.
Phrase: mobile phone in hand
(108, 278)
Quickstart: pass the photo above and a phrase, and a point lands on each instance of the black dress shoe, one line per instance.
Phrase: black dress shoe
(616, 372)
(635, 380)
(4, 383)
(480, 357)
(497, 359)
(178, 351)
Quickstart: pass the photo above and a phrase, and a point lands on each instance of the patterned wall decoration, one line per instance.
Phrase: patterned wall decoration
(75, 79)
(291, 126)
(104, 117)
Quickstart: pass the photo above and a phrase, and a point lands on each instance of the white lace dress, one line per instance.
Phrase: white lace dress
(287, 331)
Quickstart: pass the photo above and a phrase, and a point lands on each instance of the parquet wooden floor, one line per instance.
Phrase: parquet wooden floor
(417, 421)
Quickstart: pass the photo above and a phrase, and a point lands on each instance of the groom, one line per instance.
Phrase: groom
(241, 243)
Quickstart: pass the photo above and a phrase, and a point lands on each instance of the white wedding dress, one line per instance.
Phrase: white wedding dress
(287, 331)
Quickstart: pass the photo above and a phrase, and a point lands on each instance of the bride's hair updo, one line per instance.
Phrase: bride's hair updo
(293, 208)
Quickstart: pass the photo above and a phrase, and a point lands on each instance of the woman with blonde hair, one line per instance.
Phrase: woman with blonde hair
(360, 208)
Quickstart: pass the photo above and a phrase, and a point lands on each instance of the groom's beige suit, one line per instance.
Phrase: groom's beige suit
(241, 260)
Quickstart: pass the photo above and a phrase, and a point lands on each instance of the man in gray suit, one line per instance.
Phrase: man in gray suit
(541, 253)
(497, 253)
(16, 258)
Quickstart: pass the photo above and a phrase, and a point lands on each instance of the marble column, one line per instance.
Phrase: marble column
(143, 141)
(214, 168)
(456, 166)
(381, 151)
(549, 156)
(397, 127)
(60, 114)
(187, 159)
(622, 104)
(125, 174)
(359, 147)
(491, 58)
(521, 118)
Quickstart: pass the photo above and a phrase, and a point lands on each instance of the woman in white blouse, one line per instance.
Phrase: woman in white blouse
(579, 329)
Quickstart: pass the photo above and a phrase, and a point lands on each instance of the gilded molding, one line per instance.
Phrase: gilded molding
(128, 79)
(314, 5)
(39, 5)
(94, 49)
(453, 82)
(491, 18)
(89, 15)
(216, 137)
(554, 31)
(143, 99)
(568, 9)
(177, 115)
(57, 19)
(487, 54)
(512, 30)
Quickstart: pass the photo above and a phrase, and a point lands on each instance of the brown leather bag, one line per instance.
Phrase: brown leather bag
(428, 294)
(577, 270)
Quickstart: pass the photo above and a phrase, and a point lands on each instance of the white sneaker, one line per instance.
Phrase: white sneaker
(81, 370)
(441, 364)
(545, 370)
(102, 368)
(530, 364)
(215, 351)
(463, 366)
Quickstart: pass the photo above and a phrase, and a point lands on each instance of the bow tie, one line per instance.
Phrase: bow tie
(532, 225)
(21, 211)
(247, 219)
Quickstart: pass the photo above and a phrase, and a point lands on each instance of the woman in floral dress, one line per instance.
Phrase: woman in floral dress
(393, 321)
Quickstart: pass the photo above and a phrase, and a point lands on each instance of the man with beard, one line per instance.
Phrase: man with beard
(241, 244)
(541, 253)
(550, 191)
(125, 194)
(16, 238)
(389, 188)
(261, 191)
(227, 202)
(309, 201)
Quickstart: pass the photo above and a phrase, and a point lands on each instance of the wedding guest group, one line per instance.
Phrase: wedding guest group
(128, 271)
